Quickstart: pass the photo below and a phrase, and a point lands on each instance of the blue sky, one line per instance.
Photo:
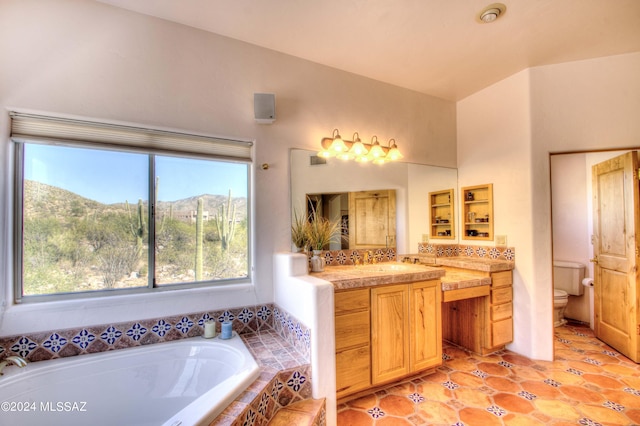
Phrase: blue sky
(114, 177)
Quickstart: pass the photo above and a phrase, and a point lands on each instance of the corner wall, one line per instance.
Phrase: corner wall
(505, 135)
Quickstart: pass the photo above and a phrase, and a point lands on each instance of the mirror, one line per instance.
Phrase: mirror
(411, 183)
(367, 218)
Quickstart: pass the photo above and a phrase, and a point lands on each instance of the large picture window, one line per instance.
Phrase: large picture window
(94, 219)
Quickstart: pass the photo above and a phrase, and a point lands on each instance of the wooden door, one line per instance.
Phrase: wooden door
(425, 325)
(615, 248)
(389, 333)
(372, 219)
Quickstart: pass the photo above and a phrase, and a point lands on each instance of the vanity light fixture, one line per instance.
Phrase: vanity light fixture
(491, 13)
(356, 150)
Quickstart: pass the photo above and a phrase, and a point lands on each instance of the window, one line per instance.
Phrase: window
(94, 219)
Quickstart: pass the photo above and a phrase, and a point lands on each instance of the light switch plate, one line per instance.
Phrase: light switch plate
(501, 240)
(425, 238)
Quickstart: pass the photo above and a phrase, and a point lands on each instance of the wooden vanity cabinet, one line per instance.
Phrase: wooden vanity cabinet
(482, 324)
(386, 332)
(406, 334)
(353, 350)
(499, 331)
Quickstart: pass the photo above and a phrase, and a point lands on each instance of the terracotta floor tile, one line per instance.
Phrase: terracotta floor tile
(477, 416)
(587, 383)
(503, 384)
(604, 415)
(541, 389)
(603, 381)
(438, 413)
(557, 409)
(393, 421)
(397, 405)
(493, 369)
(513, 403)
(354, 418)
(582, 394)
(520, 420)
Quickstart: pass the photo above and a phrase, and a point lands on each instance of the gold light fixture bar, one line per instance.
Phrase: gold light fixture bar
(356, 150)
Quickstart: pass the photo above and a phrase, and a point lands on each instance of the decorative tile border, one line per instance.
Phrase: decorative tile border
(270, 393)
(99, 338)
(452, 250)
(349, 257)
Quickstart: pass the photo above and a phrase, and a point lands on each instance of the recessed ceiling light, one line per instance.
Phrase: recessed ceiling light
(491, 13)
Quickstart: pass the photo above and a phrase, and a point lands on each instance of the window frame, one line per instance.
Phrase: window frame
(151, 287)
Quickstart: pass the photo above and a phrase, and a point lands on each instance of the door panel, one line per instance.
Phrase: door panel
(615, 192)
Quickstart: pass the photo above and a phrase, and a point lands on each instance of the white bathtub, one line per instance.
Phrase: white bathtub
(184, 382)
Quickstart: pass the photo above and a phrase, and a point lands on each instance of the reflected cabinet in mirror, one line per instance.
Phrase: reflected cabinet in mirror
(397, 217)
(367, 218)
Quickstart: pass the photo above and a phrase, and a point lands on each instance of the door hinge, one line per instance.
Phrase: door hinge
(638, 174)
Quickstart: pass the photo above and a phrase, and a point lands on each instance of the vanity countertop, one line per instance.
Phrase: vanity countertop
(463, 262)
(456, 279)
(349, 277)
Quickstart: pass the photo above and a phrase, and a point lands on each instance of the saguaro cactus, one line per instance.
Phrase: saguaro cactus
(226, 223)
(136, 225)
(199, 233)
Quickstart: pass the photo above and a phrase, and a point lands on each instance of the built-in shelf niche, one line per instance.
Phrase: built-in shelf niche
(442, 214)
(477, 213)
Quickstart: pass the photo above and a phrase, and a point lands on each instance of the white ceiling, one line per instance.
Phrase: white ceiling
(436, 47)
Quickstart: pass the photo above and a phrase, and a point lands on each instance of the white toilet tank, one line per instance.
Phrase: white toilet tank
(568, 276)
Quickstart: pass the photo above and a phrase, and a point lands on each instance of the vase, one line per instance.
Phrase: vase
(317, 261)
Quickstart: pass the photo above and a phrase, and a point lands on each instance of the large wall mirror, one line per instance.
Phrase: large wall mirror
(336, 179)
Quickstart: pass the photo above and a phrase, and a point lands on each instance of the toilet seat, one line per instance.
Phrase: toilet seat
(560, 294)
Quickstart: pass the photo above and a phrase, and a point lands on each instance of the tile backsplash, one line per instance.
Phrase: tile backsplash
(486, 252)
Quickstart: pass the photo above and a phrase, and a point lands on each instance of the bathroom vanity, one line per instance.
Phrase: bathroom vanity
(391, 318)
(387, 322)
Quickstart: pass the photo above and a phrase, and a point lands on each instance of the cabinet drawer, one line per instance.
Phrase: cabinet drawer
(355, 300)
(501, 332)
(353, 370)
(501, 295)
(501, 279)
(352, 329)
(502, 311)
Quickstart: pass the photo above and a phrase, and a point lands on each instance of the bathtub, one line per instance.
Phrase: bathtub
(183, 382)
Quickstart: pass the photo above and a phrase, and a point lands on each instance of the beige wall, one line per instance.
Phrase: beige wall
(583, 105)
(88, 59)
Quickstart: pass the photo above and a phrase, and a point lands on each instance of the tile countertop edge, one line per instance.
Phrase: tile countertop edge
(350, 277)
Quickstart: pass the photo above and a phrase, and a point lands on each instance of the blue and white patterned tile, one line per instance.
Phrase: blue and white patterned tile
(24, 346)
(376, 412)
(136, 331)
(83, 339)
(296, 381)
(245, 315)
(264, 313)
(111, 335)
(161, 328)
(184, 325)
(54, 343)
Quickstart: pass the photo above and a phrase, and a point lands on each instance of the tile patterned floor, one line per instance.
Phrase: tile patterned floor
(589, 383)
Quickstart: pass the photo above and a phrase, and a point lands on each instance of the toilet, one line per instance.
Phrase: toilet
(567, 280)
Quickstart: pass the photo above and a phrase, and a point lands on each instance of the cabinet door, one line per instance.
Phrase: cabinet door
(426, 326)
(389, 333)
